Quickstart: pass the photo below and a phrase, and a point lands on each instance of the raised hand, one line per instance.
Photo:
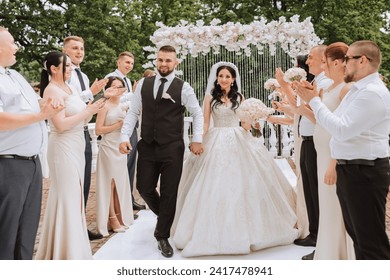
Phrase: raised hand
(94, 107)
(51, 106)
(98, 85)
(112, 91)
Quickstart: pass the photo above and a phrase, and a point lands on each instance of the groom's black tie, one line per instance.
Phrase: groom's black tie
(161, 89)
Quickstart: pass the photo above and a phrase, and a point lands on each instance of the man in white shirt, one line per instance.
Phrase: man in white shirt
(360, 127)
(23, 135)
(162, 99)
(308, 156)
(74, 48)
(125, 64)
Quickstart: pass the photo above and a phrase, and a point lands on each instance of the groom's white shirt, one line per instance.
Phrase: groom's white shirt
(188, 99)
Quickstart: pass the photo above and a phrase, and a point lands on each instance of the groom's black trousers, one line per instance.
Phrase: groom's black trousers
(164, 161)
(362, 192)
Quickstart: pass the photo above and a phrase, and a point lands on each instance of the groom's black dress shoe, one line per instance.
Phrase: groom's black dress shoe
(137, 206)
(94, 236)
(307, 241)
(165, 248)
(309, 256)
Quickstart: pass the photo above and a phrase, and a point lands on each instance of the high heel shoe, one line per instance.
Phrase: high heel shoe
(115, 225)
(119, 217)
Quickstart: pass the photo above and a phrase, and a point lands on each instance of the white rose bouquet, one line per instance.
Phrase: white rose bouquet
(295, 74)
(252, 109)
(272, 84)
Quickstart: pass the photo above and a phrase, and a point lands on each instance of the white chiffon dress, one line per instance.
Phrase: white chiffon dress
(64, 228)
(233, 199)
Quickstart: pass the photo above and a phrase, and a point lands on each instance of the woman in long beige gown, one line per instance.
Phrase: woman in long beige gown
(114, 205)
(64, 230)
(333, 242)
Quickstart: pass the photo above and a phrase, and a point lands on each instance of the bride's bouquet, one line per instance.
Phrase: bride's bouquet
(295, 74)
(272, 85)
(252, 109)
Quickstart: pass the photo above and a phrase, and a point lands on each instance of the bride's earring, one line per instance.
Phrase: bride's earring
(232, 84)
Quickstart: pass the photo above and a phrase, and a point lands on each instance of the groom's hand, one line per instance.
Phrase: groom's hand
(196, 148)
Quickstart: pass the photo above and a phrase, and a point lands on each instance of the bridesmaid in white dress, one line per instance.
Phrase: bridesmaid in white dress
(232, 199)
(64, 230)
(333, 242)
(113, 198)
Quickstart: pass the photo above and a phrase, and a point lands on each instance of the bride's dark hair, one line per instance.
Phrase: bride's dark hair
(233, 94)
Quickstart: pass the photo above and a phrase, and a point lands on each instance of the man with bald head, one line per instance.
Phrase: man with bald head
(360, 127)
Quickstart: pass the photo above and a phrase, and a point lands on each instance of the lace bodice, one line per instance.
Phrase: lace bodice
(224, 116)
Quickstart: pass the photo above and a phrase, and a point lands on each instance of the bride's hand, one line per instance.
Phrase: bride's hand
(196, 148)
(246, 126)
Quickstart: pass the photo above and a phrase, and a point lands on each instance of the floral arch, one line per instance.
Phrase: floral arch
(257, 49)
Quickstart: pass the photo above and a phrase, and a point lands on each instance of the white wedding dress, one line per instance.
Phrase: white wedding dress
(233, 199)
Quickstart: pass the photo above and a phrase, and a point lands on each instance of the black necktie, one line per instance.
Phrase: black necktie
(80, 79)
(161, 89)
(127, 85)
(299, 125)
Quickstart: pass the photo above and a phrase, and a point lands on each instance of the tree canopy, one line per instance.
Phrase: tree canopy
(112, 26)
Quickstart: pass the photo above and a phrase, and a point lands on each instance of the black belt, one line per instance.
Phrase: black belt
(366, 162)
(18, 157)
(305, 138)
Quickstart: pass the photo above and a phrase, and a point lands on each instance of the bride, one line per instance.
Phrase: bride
(233, 199)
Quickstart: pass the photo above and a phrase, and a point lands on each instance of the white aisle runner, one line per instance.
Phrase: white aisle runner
(138, 243)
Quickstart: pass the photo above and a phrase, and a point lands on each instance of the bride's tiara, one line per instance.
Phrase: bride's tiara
(225, 63)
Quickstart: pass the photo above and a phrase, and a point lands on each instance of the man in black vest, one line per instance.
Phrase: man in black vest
(162, 99)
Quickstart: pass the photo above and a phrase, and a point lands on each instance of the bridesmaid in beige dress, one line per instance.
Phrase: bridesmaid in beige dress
(64, 230)
(333, 242)
(113, 198)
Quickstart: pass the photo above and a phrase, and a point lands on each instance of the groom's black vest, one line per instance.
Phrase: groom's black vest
(162, 120)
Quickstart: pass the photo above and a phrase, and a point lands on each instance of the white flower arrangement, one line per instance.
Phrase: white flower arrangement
(295, 74)
(252, 110)
(294, 37)
(271, 84)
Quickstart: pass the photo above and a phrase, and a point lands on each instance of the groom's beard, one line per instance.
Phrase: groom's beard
(165, 73)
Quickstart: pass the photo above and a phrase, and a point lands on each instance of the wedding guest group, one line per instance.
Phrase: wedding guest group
(359, 127)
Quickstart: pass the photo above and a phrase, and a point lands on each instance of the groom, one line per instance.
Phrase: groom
(162, 99)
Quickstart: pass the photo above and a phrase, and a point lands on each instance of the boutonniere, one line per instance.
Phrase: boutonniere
(166, 95)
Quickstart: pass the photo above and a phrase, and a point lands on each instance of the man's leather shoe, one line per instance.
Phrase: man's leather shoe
(307, 241)
(309, 256)
(165, 248)
(94, 236)
(137, 206)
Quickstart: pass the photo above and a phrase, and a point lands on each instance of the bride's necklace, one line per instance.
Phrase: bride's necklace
(64, 87)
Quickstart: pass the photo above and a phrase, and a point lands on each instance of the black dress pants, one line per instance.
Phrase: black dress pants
(166, 161)
(308, 164)
(362, 191)
(88, 166)
(20, 207)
